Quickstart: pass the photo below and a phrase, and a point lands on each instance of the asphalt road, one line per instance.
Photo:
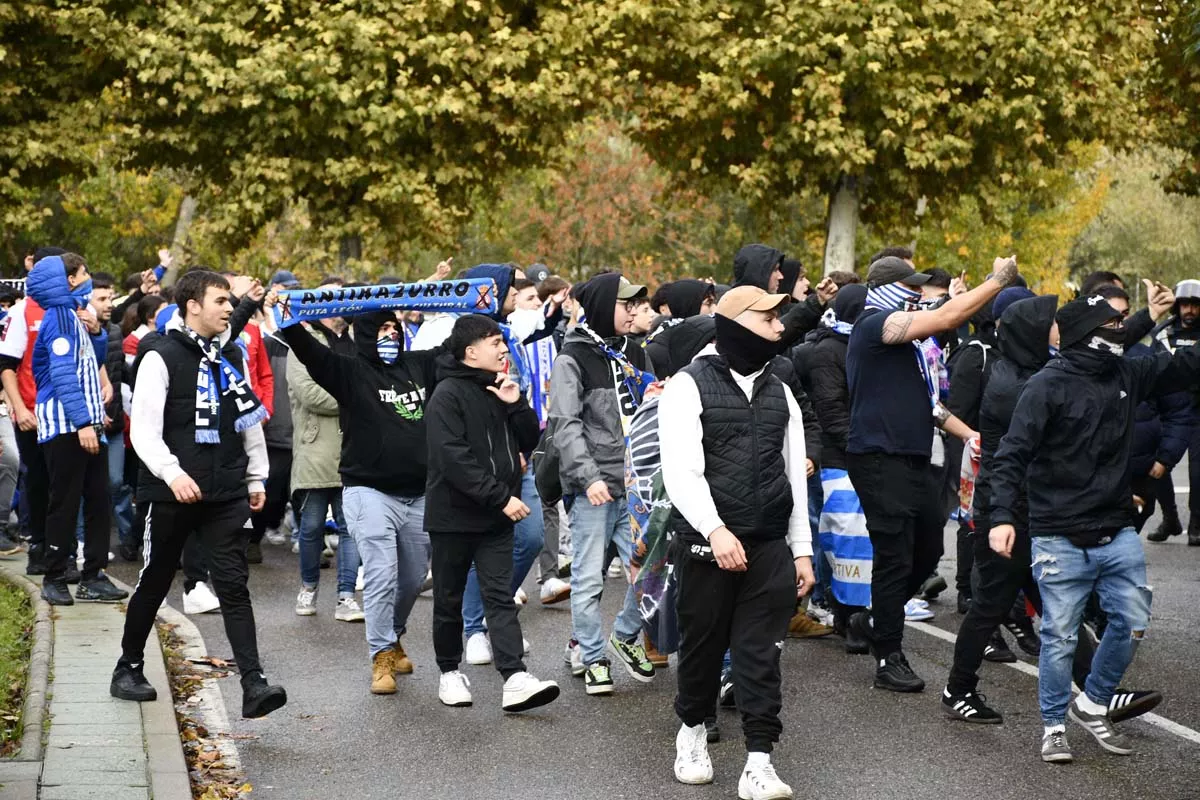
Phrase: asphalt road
(842, 738)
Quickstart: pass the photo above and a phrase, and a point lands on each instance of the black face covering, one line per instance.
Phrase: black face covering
(1099, 350)
(746, 351)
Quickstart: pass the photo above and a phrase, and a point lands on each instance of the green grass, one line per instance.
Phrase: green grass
(16, 638)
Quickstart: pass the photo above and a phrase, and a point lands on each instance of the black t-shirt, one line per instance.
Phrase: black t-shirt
(890, 410)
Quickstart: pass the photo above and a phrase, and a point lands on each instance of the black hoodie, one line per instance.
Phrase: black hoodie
(753, 265)
(475, 446)
(684, 297)
(383, 406)
(673, 348)
(1071, 437)
(1022, 348)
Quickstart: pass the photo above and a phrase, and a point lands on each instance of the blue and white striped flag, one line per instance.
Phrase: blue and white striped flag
(844, 539)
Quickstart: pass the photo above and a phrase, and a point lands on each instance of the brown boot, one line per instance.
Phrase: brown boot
(659, 660)
(400, 663)
(382, 667)
(803, 626)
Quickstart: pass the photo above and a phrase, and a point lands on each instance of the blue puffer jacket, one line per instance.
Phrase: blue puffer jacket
(1161, 426)
(65, 367)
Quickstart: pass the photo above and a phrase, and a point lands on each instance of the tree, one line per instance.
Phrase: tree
(875, 104)
(381, 116)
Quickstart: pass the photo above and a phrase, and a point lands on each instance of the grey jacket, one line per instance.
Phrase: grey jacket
(586, 418)
(317, 450)
(278, 430)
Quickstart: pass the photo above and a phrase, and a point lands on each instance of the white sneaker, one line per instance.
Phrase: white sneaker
(522, 692)
(332, 540)
(200, 600)
(917, 611)
(615, 570)
(453, 689)
(306, 602)
(348, 610)
(821, 615)
(520, 598)
(573, 656)
(479, 649)
(759, 782)
(295, 547)
(358, 582)
(692, 764)
(555, 590)
(275, 536)
(524, 646)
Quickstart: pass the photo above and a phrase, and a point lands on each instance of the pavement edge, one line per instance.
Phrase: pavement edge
(41, 655)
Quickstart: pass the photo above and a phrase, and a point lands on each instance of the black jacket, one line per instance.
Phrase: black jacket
(968, 366)
(821, 365)
(1162, 426)
(383, 406)
(673, 346)
(114, 363)
(783, 368)
(1071, 436)
(475, 446)
(1022, 348)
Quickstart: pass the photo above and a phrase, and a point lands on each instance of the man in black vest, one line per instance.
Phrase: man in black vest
(195, 425)
(733, 458)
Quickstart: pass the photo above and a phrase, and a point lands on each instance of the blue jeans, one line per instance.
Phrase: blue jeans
(592, 528)
(528, 538)
(394, 547)
(314, 504)
(1066, 575)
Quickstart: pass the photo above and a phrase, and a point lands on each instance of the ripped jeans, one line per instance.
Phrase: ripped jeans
(1066, 575)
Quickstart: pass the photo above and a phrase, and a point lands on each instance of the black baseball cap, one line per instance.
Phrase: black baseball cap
(1080, 317)
(891, 269)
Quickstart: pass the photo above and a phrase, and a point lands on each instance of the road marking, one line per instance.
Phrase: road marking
(1182, 731)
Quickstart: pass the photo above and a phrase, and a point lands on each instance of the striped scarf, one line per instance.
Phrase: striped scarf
(208, 396)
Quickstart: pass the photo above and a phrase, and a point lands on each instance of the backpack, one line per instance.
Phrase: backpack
(546, 460)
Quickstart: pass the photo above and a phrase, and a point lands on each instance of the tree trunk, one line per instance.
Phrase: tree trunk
(843, 226)
(183, 223)
(349, 249)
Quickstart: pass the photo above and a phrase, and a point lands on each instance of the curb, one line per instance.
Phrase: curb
(40, 657)
(165, 762)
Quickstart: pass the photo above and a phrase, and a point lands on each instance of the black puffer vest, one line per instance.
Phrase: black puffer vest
(743, 452)
(218, 469)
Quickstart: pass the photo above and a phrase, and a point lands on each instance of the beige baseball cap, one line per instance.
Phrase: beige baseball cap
(630, 291)
(748, 298)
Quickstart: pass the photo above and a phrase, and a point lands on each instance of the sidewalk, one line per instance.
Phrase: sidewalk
(97, 747)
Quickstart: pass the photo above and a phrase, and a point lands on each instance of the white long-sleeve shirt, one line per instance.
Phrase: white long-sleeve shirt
(146, 429)
(680, 437)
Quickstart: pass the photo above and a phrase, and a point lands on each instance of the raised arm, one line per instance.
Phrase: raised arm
(909, 326)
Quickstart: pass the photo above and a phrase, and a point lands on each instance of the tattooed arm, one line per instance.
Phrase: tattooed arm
(908, 326)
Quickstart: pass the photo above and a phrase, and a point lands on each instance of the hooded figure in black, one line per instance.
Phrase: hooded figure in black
(1069, 446)
(684, 299)
(1023, 348)
(382, 391)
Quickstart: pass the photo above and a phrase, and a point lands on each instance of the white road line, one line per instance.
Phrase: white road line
(1182, 731)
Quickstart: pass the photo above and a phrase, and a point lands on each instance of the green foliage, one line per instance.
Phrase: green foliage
(916, 98)
(1143, 231)
(16, 638)
(381, 117)
(1174, 88)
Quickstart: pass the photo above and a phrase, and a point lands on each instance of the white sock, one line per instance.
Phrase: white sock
(1049, 729)
(758, 759)
(1086, 703)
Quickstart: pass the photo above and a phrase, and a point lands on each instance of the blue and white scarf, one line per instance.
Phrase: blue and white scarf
(540, 358)
(844, 539)
(208, 397)
(830, 320)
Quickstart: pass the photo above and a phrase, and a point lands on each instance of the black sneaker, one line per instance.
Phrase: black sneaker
(964, 603)
(633, 657)
(598, 678)
(1170, 526)
(1127, 705)
(73, 575)
(1027, 639)
(997, 650)
(129, 552)
(260, 698)
(969, 707)
(860, 632)
(931, 588)
(895, 675)
(36, 564)
(253, 553)
(99, 590)
(726, 695)
(57, 593)
(712, 730)
(128, 683)
(9, 547)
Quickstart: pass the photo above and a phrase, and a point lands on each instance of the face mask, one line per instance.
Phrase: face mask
(83, 293)
(389, 348)
(746, 351)
(892, 297)
(1108, 341)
